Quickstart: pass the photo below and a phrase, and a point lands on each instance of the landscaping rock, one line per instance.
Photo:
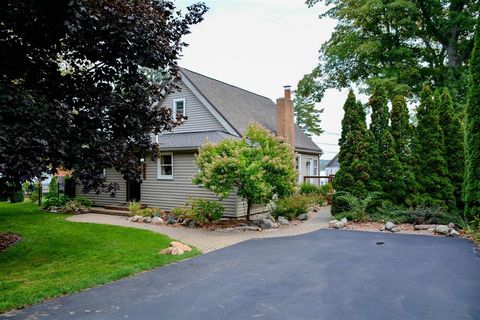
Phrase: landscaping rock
(302, 217)
(339, 225)
(269, 217)
(147, 220)
(267, 224)
(451, 225)
(331, 223)
(184, 247)
(421, 227)
(248, 228)
(157, 220)
(176, 251)
(141, 219)
(389, 225)
(344, 221)
(192, 224)
(394, 229)
(442, 230)
(283, 221)
(134, 218)
(453, 233)
(171, 220)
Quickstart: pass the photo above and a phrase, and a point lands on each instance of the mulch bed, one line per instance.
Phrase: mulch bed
(8, 239)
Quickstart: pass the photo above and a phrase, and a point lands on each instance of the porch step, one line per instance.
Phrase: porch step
(112, 212)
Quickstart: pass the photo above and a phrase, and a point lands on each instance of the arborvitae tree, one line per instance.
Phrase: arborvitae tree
(401, 130)
(392, 181)
(453, 134)
(354, 173)
(472, 123)
(431, 166)
(378, 128)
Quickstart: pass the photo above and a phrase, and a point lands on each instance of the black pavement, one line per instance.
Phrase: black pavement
(327, 274)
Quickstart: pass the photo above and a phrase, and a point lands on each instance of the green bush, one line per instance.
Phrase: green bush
(150, 212)
(33, 195)
(74, 206)
(309, 189)
(17, 196)
(293, 206)
(135, 208)
(353, 208)
(430, 215)
(53, 186)
(54, 200)
(205, 210)
(390, 212)
(84, 201)
(340, 202)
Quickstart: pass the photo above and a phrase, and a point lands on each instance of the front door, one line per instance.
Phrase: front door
(133, 190)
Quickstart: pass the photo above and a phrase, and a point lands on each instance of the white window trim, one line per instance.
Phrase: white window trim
(159, 175)
(318, 166)
(299, 167)
(309, 169)
(174, 107)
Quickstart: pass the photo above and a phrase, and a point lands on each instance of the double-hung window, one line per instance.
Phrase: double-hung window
(165, 166)
(178, 108)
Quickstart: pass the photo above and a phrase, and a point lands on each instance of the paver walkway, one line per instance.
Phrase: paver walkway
(207, 241)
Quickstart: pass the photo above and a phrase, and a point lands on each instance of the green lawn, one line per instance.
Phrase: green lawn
(56, 257)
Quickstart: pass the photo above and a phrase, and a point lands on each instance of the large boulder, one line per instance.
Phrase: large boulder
(180, 245)
(283, 221)
(269, 217)
(442, 229)
(453, 233)
(331, 223)
(389, 225)
(157, 220)
(302, 217)
(267, 224)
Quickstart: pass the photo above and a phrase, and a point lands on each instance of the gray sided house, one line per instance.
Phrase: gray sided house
(215, 111)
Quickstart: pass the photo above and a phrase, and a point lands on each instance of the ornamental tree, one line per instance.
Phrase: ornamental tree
(256, 167)
(472, 146)
(73, 87)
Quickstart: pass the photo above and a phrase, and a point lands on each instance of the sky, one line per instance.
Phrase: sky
(262, 45)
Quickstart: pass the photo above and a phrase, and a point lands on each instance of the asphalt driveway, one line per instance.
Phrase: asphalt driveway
(326, 274)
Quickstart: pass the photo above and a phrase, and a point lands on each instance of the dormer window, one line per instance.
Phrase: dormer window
(179, 107)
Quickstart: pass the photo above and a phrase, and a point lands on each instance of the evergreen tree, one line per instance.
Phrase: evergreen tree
(392, 181)
(401, 130)
(354, 173)
(472, 125)
(431, 167)
(453, 134)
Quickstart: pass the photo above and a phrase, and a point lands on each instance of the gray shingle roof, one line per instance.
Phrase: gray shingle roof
(239, 107)
(334, 162)
(190, 140)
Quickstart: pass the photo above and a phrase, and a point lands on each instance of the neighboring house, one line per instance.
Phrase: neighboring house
(215, 111)
(332, 166)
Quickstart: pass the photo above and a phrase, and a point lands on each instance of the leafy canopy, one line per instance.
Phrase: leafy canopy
(256, 167)
(74, 86)
(306, 115)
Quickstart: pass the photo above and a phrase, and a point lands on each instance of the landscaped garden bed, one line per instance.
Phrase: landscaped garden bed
(8, 239)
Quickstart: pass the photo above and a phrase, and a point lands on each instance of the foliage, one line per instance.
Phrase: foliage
(326, 190)
(79, 66)
(84, 201)
(453, 134)
(135, 208)
(69, 254)
(431, 166)
(354, 173)
(395, 43)
(306, 115)
(256, 167)
(353, 208)
(472, 146)
(295, 205)
(74, 206)
(391, 179)
(17, 196)
(149, 212)
(310, 188)
(33, 189)
(429, 215)
(202, 210)
(54, 200)
(471, 228)
(53, 185)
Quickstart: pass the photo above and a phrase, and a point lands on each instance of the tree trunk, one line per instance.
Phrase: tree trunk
(249, 208)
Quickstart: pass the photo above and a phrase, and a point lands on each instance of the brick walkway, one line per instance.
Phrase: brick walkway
(207, 241)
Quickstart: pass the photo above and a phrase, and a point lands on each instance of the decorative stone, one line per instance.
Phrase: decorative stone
(191, 224)
(422, 227)
(248, 228)
(157, 220)
(141, 219)
(134, 218)
(339, 225)
(302, 217)
(147, 220)
(331, 223)
(283, 221)
(389, 225)
(442, 230)
(171, 220)
(451, 225)
(267, 224)
(382, 228)
(344, 221)
(453, 233)
(269, 217)
(183, 247)
(394, 229)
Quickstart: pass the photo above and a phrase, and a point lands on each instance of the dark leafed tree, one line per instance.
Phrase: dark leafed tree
(392, 177)
(354, 173)
(306, 115)
(396, 43)
(73, 86)
(472, 126)
(431, 166)
(402, 134)
(453, 134)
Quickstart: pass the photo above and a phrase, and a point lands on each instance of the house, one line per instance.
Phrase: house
(215, 111)
(332, 166)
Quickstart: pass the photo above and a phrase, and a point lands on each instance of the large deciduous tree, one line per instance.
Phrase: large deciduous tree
(400, 43)
(256, 167)
(73, 86)
(472, 146)
(307, 116)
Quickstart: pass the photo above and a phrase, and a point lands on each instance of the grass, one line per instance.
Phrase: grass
(57, 257)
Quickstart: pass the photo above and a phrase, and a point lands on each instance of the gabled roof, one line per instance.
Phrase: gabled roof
(333, 163)
(190, 140)
(239, 107)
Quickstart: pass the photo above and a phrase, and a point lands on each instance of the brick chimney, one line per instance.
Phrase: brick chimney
(284, 117)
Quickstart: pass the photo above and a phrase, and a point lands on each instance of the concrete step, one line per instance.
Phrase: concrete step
(112, 212)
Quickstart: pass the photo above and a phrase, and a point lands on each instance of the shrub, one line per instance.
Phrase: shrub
(149, 212)
(389, 212)
(204, 210)
(17, 196)
(354, 208)
(293, 206)
(84, 201)
(340, 202)
(33, 195)
(326, 190)
(181, 212)
(309, 189)
(74, 206)
(54, 200)
(134, 207)
(430, 215)
(53, 186)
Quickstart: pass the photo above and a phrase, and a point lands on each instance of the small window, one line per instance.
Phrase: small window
(315, 167)
(178, 107)
(165, 166)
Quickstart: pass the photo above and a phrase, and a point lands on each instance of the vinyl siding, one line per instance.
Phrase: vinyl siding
(168, 194)
(304, 158)
(104, 199)
(199, 118)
